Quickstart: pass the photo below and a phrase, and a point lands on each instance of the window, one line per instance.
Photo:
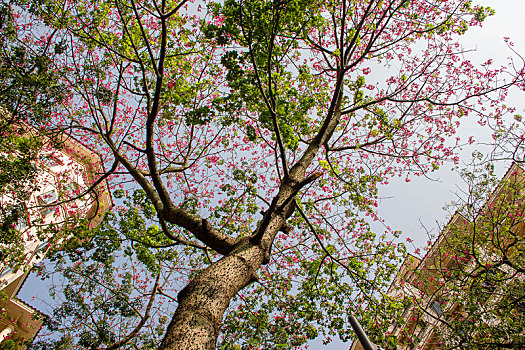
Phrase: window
(72, 190)
(22, 225)
(488, 285)
(50, 160)
(16, 216)
(422, 327)
(41, 246)
(45, 200)
(436, 307)
(6, 272)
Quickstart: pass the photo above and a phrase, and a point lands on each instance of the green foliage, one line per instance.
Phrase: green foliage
(105, 273)
(29, 87)
(29, 94)
(279, 103)
(315, 300)
(8, 344)
(199, 116)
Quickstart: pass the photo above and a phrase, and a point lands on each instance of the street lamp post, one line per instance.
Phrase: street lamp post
(361, 335)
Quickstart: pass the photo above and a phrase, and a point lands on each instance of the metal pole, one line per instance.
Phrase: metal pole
(361, 335)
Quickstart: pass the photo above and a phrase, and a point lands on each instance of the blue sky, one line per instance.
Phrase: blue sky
(406, 204)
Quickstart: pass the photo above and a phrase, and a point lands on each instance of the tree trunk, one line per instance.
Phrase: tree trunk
(198, 319)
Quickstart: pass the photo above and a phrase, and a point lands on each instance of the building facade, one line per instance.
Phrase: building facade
(468, 291)
(65, 191)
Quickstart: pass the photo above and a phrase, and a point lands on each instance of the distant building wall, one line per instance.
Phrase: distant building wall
(65, 174)
(422, 323)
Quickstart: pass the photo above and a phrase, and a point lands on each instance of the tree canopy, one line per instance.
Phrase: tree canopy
(246, 141)
(30, 92)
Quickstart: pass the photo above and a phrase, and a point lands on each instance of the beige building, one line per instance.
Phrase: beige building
(425, 282)
(65, 174)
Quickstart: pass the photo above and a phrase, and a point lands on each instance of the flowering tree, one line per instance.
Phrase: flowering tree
(258, 133)
(29, 92)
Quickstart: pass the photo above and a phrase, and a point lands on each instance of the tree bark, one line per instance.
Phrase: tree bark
(197, 321)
